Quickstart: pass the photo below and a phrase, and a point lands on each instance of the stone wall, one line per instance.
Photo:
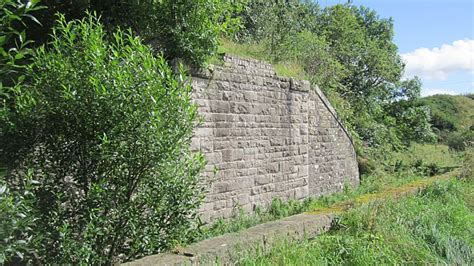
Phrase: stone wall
(266, 137)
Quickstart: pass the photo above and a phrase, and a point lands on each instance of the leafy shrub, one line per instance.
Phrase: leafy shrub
(467, 168)
(14, 47)
(13, 42)
(432, 169)
(104, 126)
(191, 29)
(183, 29)
(16, 223)
(365, 165)
(279, 209)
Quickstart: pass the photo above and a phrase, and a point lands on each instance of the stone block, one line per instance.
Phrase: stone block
(219, 106)
(263, 180)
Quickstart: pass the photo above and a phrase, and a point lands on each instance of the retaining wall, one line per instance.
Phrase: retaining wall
(266, 137)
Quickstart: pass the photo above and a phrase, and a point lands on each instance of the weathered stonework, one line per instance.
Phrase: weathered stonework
(266, 137)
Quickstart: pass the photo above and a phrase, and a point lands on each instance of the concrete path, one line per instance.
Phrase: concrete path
(225, 249)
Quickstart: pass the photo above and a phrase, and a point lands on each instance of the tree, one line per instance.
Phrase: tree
(183, 29)
(350, 52)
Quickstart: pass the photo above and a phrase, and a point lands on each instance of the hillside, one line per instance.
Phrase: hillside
(451, 112)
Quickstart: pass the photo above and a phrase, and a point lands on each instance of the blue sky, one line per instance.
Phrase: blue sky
(435, 38)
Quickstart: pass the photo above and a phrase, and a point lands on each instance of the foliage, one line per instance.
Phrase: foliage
(183, 29)
(104, 127)
(349, 52)
(13, 42)
(435, 227)
(14, 46)
(241, 220)
(453, 112)
(450, 113)
(459, 141)
(467, 170)
(190, 29)
(17, 220)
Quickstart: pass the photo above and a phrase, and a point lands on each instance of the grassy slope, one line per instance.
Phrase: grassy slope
(285, 69)
(457, 109)
(433, 227)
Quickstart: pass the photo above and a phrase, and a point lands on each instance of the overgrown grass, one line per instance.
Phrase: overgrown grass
(434, 227)
(247, 51)
(416, 164)
(430, 154)
(258, 51)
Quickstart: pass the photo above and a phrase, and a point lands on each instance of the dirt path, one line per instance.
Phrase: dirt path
(225, 249)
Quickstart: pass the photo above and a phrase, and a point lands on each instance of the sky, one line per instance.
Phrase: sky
(435, 39)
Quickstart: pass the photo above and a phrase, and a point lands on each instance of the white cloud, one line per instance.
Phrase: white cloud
(429, 92)
(438, 63)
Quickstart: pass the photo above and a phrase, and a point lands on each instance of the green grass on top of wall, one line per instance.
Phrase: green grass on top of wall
(258, 51)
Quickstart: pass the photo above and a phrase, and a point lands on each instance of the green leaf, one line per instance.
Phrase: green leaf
(19, 56)
(3, 39)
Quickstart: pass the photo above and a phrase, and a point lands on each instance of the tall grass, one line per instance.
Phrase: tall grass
(434, 227)
(429, 153)
(258, 51)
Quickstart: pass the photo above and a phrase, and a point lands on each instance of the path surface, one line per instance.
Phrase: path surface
(225, 249)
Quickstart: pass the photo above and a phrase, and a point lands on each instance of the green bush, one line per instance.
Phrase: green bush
(188, 30)
(104, 127)
(16, 223)
(14, 47)
(13, 42)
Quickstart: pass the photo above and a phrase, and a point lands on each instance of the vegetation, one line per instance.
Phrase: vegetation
(452, 119)
(433, 227)
(451, 112)
(187, 30)
(414, 165)
(102, 130)
(349, 52)
(95, 128)
(14, 47)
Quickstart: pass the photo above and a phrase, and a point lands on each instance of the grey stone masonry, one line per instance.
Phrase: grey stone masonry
(266, 137)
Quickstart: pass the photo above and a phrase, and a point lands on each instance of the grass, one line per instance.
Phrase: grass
(259, 52)
(430, 154)
(412, 169)
(434, 227)
(247, 51)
